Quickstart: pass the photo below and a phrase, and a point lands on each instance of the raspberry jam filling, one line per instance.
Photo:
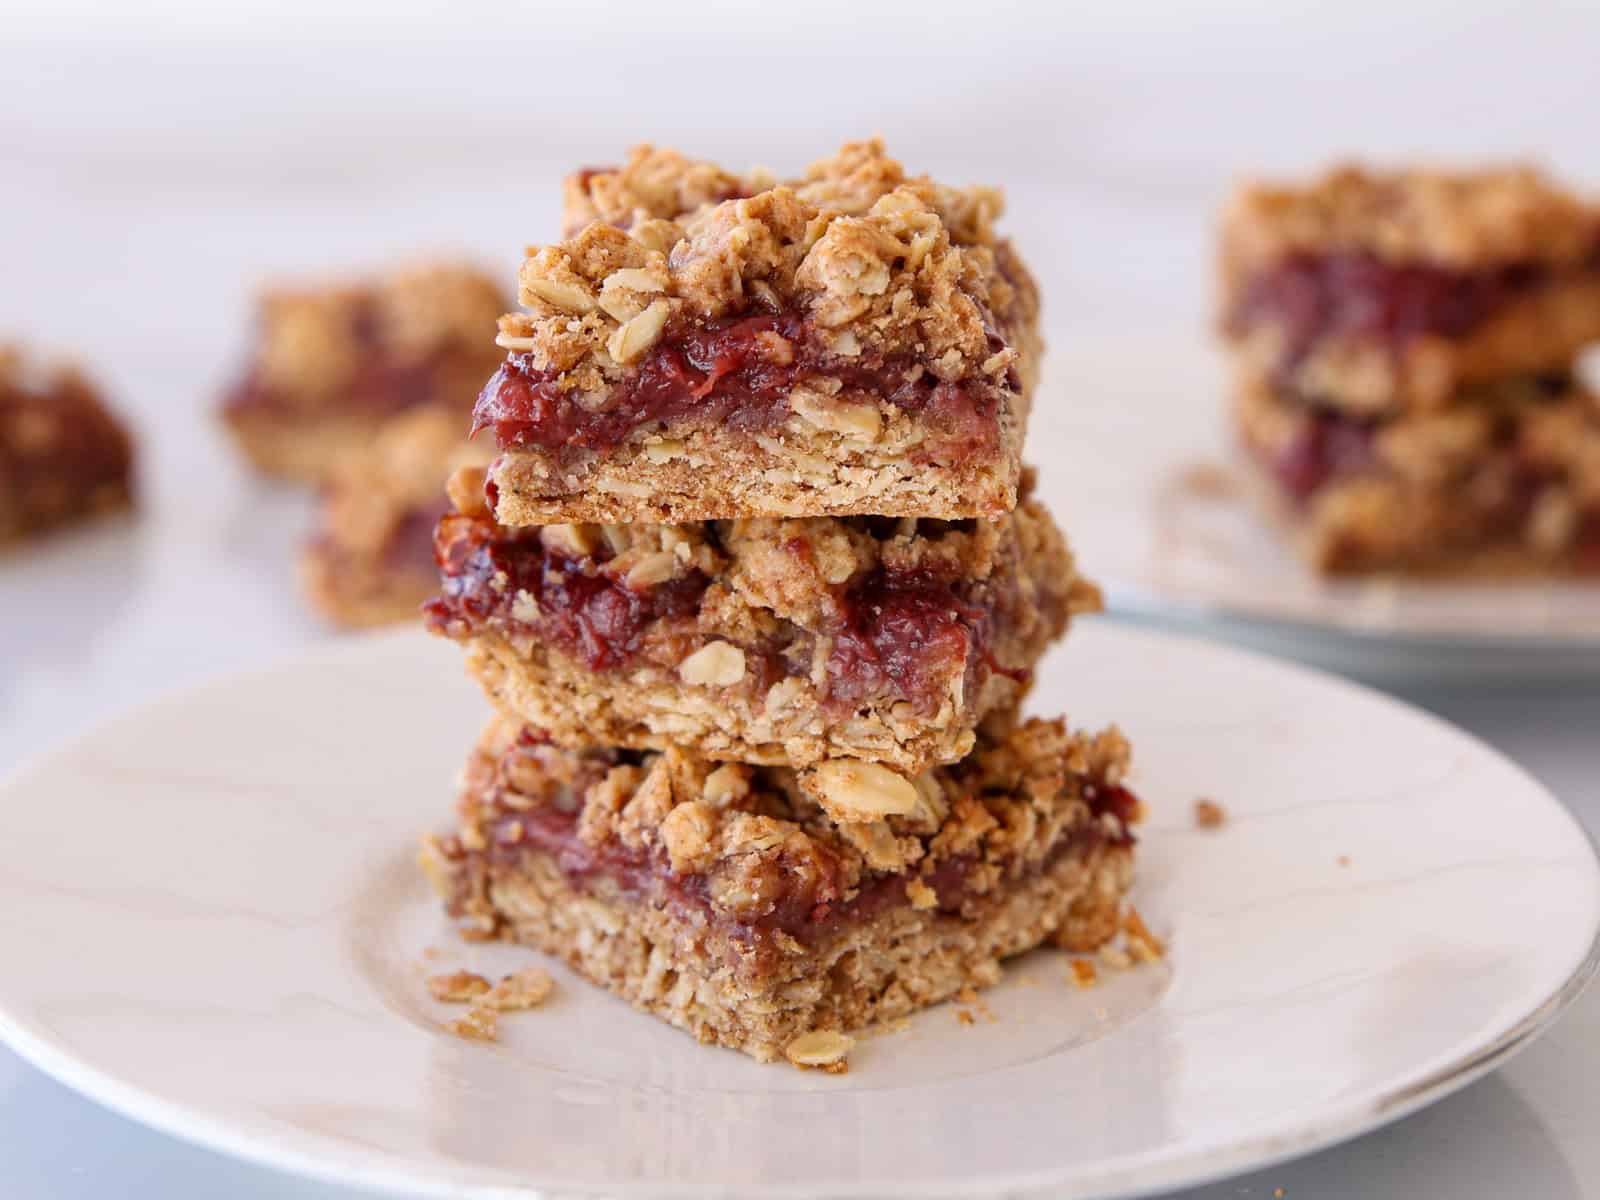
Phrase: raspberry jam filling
(1312, 297)
(897, 632)
(738, 372)
(905, 632)
(578, 606)
(803, 895)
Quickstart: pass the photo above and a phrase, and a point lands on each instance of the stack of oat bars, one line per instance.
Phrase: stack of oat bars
(756, 584)
(1404, 346)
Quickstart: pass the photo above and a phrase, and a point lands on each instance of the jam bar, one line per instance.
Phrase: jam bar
(1505, 480)
(763, 639)
(755, 906)
(1376, 293)
(370, 562)
(857, 340)
(63, 455)
(331, 366)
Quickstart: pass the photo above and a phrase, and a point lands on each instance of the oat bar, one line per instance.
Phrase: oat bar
(756, 906)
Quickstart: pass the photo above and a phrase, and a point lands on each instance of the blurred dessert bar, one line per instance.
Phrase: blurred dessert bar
(370, 562)
(332, 365)
(64, 456)
(1404, 349)
(1504, 481)
(753, 906)
(763, 639)
(1375, 293)
(855, 341)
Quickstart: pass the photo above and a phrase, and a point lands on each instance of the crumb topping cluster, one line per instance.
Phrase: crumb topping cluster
(876, 262)
(1457, 220)
(768, 841)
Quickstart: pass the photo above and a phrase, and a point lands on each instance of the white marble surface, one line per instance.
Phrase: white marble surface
(155, 162)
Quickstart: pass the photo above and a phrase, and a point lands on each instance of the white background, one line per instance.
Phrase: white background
(158, 161)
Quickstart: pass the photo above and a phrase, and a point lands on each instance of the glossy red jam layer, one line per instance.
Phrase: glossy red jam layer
(905, 633)
(1312, 297)
(737, 372)
(583, 609)
(896, 633)
(808, 904)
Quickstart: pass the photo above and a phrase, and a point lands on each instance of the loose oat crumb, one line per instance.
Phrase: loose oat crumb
(479, 1024)
(1083, 973)
(967, 995)
(528, 988)
(458, 987)
(964, 1016)
(1208, 814)
(1343, 860)
(1142, 944)
(824, 1049)
(1115, 956)
(1277, 1193)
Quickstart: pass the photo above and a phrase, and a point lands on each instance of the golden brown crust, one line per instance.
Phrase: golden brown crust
(654, 183)
(64, 456)
(1462, 220)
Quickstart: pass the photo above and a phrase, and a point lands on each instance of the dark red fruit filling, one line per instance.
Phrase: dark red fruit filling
(1325, 445)
(900, 633)
(583, 609)
(1311, 297)
(737, 371)
(904, 632)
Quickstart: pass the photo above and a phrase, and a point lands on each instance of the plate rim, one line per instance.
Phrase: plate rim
(318, 1157)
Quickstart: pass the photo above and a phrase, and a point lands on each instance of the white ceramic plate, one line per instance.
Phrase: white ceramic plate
(1136, 438)
(209, 919)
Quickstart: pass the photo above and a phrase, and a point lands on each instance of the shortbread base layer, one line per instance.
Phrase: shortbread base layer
(710, 474)
(880, 970)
